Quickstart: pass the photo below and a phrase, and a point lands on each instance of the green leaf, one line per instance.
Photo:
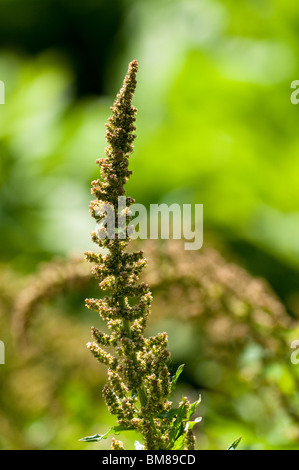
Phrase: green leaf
(176, 376)
(177, 427)
(179, 443)
(169, 414)
(138, 445)
(98, 437)
(94, 438)
(191, 424)
(193, 407)
(234, 444)
(174, 411)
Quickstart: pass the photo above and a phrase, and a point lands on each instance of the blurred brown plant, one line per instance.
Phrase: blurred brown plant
(51, 279)
(227, 308)
(202, 285)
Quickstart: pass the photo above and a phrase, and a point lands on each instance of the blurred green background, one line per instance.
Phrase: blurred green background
(215, 126)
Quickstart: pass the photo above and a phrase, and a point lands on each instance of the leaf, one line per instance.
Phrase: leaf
(179, 443)
(234, 444)
(193, 407)
(94, 438)
(177, 427)
(169, 414)
(176, 376)
(174, 411)
(98, 437)
(191, 424)
(138, 445)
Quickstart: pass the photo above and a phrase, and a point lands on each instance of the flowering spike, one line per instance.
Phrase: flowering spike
(138, 379)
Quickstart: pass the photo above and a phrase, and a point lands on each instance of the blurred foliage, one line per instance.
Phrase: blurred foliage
(230, 330)
(215, 126)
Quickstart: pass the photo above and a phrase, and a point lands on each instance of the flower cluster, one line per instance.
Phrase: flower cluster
(139, 382)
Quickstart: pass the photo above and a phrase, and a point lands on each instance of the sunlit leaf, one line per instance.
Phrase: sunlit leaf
(234, 444)
(176, 376)
(98, 437)
(138, 445)
(179, 443)
(193, 407)
(191, 424)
